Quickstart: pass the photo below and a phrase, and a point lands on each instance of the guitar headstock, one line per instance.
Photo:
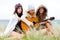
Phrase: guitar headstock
(52, 18)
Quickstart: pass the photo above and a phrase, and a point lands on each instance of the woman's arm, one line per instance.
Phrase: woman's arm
(23, 18)
(11, 25)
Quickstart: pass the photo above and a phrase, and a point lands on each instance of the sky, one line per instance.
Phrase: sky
(7, 7)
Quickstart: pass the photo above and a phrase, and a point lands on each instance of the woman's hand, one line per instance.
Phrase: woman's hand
(30, 24)
(49, 21)
(19, 18)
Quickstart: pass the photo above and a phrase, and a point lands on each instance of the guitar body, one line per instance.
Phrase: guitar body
(25, 27)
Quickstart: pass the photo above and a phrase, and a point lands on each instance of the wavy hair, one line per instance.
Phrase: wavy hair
(44, 14)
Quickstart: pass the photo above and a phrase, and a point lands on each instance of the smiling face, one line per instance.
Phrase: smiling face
(31, 12)
(41, 10)
(19, 10)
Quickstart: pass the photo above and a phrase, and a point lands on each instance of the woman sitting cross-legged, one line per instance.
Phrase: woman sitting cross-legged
(41, 13)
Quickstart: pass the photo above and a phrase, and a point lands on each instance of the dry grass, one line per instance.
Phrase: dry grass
(34, 35)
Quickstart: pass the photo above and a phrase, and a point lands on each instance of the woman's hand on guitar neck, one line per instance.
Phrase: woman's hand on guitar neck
(48, 20)
(30, 24)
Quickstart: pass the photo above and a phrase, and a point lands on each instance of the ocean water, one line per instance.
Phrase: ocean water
(55, 21)
(3, 24)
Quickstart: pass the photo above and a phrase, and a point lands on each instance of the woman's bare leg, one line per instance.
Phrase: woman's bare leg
(49, 28)
(16, 35)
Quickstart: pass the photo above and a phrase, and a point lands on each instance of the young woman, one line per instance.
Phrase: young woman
(41, 13)
(30, 13)
(15, 22)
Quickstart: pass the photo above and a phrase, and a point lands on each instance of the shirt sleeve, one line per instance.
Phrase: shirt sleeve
(23, 18)
(11, 25)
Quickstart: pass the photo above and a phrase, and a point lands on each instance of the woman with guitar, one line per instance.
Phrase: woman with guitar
(30, 16)
(41, 13)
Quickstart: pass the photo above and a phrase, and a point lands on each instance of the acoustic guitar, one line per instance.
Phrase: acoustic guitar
(25, 27)
(35, 21)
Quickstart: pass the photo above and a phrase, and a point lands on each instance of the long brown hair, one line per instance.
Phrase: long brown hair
(40, 18)
(16, 7)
